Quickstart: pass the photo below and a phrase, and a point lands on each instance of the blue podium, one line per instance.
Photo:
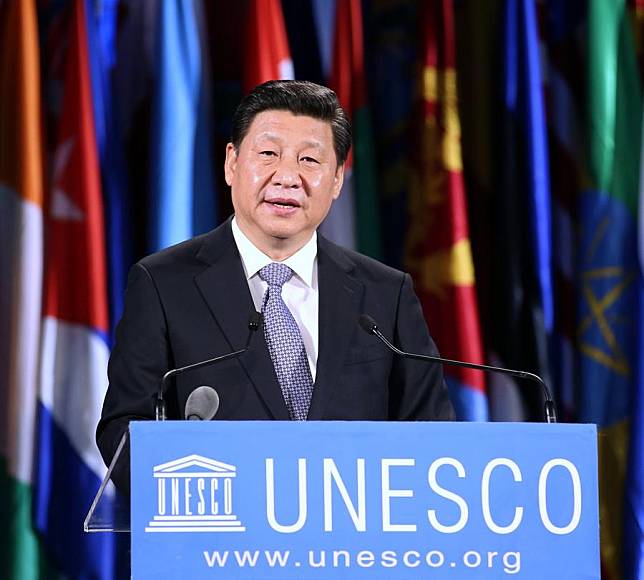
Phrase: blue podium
(318, 500)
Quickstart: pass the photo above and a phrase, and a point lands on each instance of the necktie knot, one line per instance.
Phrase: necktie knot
(276, 274)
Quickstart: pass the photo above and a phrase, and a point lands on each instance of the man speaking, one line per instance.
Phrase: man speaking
(310, 360)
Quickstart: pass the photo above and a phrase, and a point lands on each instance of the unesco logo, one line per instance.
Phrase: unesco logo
(195, 494)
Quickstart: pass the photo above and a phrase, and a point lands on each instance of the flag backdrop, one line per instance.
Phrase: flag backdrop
(75, 328)
(440, 256)
(518, 172)
(609, 278)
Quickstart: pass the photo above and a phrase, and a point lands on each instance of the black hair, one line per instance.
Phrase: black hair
(299, 98)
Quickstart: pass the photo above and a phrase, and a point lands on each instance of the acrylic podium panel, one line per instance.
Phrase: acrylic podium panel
(317, 500)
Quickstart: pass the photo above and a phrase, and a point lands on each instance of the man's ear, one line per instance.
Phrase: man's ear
(338, 181)
(230, 164)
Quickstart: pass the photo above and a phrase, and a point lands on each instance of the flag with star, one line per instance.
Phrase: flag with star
(75, 326)
(609, 328)
(439, 252)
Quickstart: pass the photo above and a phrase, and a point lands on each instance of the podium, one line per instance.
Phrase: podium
(374, 500)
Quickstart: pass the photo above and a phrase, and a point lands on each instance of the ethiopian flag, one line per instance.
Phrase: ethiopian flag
(609, 277)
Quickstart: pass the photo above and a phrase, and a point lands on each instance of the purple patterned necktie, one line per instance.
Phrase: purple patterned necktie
(285, 343)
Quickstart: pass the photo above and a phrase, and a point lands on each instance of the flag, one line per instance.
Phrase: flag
(182, 192)
(439, 252)
(522, 309)
(354, 219)
(101, 27)
(564, 99)
(21, 259)
(634, 504)
(267, 52)
(391, 58)
(323, 11)
(609, 336)
(302, 34)
(75, 328)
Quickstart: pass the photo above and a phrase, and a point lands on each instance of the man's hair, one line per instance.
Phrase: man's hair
(300, 98)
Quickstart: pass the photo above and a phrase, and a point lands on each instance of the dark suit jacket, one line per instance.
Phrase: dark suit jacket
(192, 302)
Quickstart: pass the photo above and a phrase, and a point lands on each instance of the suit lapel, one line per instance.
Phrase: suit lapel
(339, 310)
(225, 290)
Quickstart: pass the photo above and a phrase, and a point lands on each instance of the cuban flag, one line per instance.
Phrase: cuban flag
(74, 347)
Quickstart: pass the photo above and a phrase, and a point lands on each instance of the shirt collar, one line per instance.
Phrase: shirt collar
(253, 259)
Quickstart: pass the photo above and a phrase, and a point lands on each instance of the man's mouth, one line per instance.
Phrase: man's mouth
(283, 203)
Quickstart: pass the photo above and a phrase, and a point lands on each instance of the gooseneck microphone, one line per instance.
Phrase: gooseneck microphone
(369, 325)
(160, 404)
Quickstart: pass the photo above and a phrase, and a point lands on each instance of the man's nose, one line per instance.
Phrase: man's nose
(287, 173)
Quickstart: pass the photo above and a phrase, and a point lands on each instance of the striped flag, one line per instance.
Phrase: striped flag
(439, 253)
(182, 190)
(354, 219)
(609, 316)
(75, 327)
(267, 52)
(21, 258)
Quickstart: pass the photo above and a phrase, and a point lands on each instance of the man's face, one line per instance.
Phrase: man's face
(283, 180)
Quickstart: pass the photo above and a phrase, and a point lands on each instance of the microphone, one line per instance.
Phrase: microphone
(202, 404)
(369, 325)
(160, 404)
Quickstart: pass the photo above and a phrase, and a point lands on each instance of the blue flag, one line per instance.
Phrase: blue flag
(182, 192)
(101, 38)
(522, 299)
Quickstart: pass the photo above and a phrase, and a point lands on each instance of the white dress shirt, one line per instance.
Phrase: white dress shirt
(300, 293)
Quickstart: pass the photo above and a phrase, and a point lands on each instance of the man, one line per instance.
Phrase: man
(311, 360)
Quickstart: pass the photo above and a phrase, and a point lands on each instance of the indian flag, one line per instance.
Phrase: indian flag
(21, 267)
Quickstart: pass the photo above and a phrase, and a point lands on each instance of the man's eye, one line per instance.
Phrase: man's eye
(308, 159)
(268, 153)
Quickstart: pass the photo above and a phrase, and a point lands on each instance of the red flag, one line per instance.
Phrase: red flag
(439, 251)
(74, 349)
(76, 278)
(267, 53)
